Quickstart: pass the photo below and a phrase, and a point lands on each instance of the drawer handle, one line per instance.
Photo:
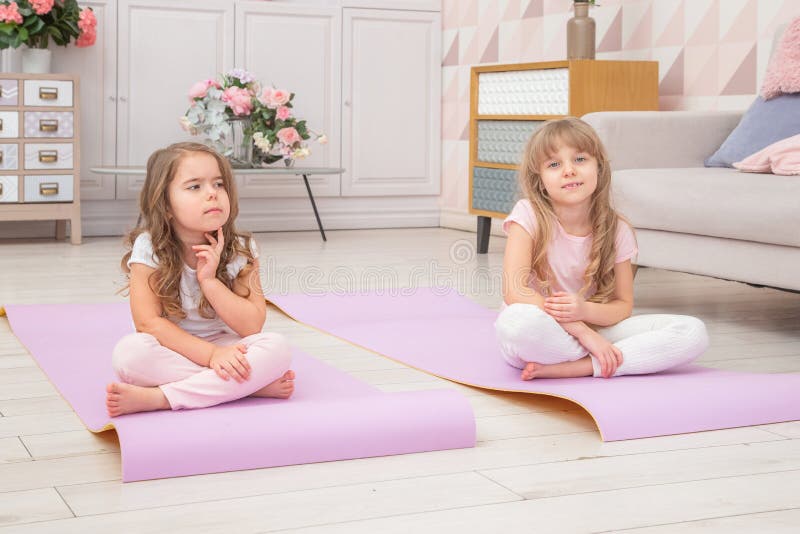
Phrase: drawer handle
(47, 156)
(1, 156)
(1, 125)
(48, 189)
(48, 93)
(48, 125)
(1, 189)
(1, 91)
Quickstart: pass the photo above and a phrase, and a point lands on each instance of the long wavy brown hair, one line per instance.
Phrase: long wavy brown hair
(604, 219)
(155, 219)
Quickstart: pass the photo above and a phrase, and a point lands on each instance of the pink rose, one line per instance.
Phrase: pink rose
(42, 7)
(86, 39)
(284, 113)
(274, 98)
(200, 89)
(239, 100)
(10, 13)
(288, 136)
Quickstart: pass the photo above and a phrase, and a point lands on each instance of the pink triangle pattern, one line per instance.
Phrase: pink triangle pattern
(744, 27)
(672, 82)
(643, 34)
(708, 29)
(535, 9)
(743, 81)
(612, 40)
(673, 31)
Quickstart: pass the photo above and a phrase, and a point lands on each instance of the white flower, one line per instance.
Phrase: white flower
(322, 139)
(301, 153)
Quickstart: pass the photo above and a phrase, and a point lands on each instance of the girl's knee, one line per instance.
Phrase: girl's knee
(269, 350)
(521, 321)
(130, 352)
(696, 335)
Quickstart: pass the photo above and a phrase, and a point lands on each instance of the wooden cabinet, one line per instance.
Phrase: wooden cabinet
(40, 150)
(379, 106)
(312, 69)
(509, 102)
(391, 119)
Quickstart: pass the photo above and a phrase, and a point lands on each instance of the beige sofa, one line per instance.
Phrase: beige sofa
(709, 221)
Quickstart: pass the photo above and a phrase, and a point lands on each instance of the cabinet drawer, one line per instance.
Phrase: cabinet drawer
(49, 124)
(8, 188)
(48, 155)
(494, 189)
(9, 92)
(9, 124)
(48, 93)
(9, 156)
(504, 141)
(48, 188)
(525, 92)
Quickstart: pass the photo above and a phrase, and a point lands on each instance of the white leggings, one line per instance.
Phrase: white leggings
(649, 343)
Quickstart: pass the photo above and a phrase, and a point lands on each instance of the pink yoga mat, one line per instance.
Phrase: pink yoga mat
(450, 336)
(331, 416)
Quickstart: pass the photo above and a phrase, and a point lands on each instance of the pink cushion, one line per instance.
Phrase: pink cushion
(783, 73)
(782, 157)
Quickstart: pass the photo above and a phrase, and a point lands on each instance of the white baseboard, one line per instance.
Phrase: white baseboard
(460, 220)
(115, 217)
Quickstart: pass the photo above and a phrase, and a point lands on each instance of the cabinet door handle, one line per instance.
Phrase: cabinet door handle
(48, 125)
(48, 156)
(1, 91)
(1, 156)
(1, 189)
(48, 189)
(48, 93)
(1, 125)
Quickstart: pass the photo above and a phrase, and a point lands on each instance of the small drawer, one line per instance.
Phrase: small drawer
(9, 124)
(8, 188)
(48, 155)
(9, 156)
(49, 124)
(48, 93)
(49, 188)
(9, 91)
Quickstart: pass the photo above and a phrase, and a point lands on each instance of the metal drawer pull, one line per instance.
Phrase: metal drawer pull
(48, 93)
(1, 125)
(48, 189)
(1, 156)
(1, 91)
(48, 156)
(1, 189)
(48, 125)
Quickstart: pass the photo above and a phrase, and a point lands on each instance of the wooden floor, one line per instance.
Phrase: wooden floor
(539, 465)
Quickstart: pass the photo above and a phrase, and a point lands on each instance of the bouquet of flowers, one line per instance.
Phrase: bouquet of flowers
(35, 22)
(262, 114)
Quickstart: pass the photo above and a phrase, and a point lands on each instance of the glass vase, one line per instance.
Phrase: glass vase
(241, 143)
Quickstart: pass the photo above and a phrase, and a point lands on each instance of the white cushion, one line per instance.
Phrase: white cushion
(711, 201)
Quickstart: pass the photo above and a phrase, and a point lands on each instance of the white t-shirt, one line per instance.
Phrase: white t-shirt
(190, 292)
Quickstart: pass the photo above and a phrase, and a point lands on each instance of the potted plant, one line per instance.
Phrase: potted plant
(238, 117)
(34, 23)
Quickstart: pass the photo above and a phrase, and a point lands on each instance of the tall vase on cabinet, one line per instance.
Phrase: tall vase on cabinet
(581, 33)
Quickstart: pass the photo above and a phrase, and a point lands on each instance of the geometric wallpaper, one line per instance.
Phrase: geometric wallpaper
(712, 54)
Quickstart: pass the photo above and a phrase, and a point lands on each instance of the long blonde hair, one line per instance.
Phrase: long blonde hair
(155, 219)
(541, 146)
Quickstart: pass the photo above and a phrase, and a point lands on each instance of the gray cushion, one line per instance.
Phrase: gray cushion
(766, 122)
(714, 202)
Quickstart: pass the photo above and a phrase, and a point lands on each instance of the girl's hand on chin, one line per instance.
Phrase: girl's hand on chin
(208, 256)
(565, 307)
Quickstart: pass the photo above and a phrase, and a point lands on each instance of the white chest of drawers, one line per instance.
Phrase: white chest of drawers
(40, 149)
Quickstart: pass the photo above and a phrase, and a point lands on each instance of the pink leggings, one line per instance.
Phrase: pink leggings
(141, 360)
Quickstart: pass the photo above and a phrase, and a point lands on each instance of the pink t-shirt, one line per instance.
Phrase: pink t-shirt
(568, 255)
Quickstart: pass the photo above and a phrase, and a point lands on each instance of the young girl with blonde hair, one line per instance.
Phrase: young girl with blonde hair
(567, 274)
(195, 295)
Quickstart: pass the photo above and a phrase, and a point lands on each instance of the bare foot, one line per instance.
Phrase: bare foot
(126, 398)
(281, 388)
(582, 367)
